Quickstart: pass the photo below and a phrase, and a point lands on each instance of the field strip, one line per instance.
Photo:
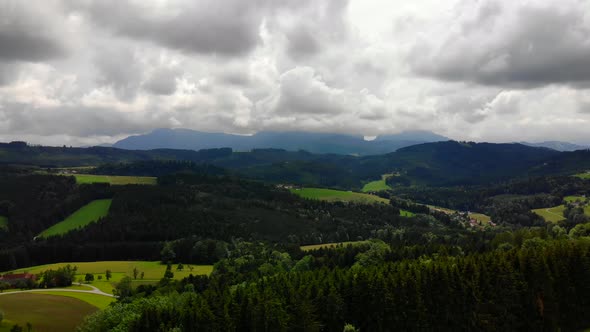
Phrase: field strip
(48, 290)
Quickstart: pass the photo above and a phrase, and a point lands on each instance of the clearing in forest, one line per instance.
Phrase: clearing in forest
(553, 214)
(379, 185)
(3, 222)
(114, 179)
(87, 214)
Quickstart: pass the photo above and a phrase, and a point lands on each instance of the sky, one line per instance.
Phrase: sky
(83, 72)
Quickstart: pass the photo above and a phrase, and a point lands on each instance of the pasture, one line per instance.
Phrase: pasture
(45, 312)
(97, 300)
(331, 245)
(3, 222)
(153, 271)
(114, 179)
(379, 185)
(585, 175)
(332, 195)
(553, 214)
(84, 216)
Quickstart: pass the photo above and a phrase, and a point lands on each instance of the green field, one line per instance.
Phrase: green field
(84, 216)
(480, 217)
(97, 300)
(44, 312)
(114, 179)
(553, 214)
(153, 271)
(585, 175)
(332, 195)
(378, 185)
(570, 199)
(3, 222)
(330, 245)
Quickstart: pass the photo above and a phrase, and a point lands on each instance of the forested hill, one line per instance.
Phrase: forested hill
(439, 163)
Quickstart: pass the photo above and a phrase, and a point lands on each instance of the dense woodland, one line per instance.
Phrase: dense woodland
(424, 272)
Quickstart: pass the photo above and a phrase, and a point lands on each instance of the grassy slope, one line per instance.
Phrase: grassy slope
(585, 176)
(84, 216)
(44, 312)
(114, 180)
(338, 195)
(3, 222)
(97, 300)
(153, 271)
(379, 185)
(553, 214)
(330, 245)
(332, 195)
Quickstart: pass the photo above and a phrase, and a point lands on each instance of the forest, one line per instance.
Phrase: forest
(428, 270)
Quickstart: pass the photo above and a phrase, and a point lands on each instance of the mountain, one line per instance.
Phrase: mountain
(557, 145)
(291, 141)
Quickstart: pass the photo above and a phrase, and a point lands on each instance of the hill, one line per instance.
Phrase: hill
(291, 141)
(557, 145)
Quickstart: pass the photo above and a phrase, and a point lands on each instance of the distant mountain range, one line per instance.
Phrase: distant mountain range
(323, 143)
(557, 145)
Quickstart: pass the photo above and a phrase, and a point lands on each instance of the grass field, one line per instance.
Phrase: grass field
(84, 216)
(332, 195)
(153, 271)
(585, 176)
(97, 300)
(3, 222)
(553, 214)
(480, 217)
(114, 179)
(330, 245)
(574, 198)
(378, 185)
(44, 312)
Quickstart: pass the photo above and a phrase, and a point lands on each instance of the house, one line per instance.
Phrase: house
(14, 279)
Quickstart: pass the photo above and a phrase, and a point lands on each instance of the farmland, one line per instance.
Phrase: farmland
(153, 271)
(553, 214)
(332, 195)
(378, 185)
(3, 222)
(114, 180)
(97, 300)
(84, 216)
(45, 312)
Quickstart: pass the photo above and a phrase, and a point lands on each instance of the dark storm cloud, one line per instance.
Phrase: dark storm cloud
(119, 69)
(27, 34)
(540, 46)
(204, 26)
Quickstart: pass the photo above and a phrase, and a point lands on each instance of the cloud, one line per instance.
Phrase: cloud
(162, 81)
(30, 33)
(518, 44)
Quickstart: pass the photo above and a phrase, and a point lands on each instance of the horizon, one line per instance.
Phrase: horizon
(94, 72)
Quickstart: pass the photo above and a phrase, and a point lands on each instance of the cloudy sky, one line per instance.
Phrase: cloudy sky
(83, 72)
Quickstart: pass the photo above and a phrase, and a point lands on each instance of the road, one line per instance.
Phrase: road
(93, 291)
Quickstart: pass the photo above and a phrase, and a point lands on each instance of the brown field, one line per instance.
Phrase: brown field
(47, 313)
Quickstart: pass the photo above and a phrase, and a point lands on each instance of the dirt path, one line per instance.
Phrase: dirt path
(93, 291)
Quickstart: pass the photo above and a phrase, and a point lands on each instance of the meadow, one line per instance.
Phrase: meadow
(84, 216)
(332, 195)
(114, 179)
(585, 175)
(153, 271)
(552, 214)
(3, 222)
(45, 312)
(97, 300)
(379, 185)
(330, 245)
